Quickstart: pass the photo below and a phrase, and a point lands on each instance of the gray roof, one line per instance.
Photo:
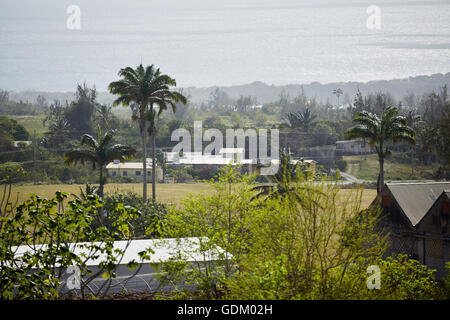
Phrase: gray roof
(415, 199)
(348, 141)
(447, 193)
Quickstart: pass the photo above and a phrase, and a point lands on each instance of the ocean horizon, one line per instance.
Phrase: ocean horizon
(205, 43)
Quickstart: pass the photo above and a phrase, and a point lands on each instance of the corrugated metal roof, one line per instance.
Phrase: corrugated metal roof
(415, 199)
(347, 141)
(447, 193)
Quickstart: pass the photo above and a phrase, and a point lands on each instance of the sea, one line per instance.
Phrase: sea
(51, 45)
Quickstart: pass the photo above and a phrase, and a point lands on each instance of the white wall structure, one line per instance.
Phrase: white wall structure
(133, 169)
(145, 278)
(355, 147)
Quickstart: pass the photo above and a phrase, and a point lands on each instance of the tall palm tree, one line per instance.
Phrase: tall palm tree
(337, 92)
(151, 91)
(99, 152)
(380, 132)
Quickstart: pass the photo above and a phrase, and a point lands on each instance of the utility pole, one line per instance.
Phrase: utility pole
(34, 157)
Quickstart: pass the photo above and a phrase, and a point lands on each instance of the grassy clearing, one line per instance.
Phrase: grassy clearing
(166, 193)
(368, 195)
(32, 123)
(368, 169)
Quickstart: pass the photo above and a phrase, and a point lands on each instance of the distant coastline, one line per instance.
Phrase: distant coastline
(268, 93)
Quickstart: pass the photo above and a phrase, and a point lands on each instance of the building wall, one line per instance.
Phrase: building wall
(133, 174)
(435, 227)
(428, 243)
(356, 147)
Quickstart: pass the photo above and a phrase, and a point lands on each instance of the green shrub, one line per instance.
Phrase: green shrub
(446, 282)
(292, 246)
(147, 224)
(406, 279)
(342, 165)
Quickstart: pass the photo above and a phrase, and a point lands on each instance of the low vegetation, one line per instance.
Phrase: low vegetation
(288, 236)
(313, 242)
(367, 168)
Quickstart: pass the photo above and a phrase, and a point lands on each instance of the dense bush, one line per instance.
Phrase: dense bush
(406, 279)
(17, 108)
(204, 173)
(11, 172)
(342, 165)
(314, 242)
(15, 129)
(151, 213)
(180, 174)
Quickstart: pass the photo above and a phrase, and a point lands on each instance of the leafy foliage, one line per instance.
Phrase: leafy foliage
(48, 227)
(151, 213)
(99, 153)
(380, 131)
(312, 243)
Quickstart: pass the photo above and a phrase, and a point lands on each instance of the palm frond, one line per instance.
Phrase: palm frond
(119, 152)
(82, 156)
(88, 140)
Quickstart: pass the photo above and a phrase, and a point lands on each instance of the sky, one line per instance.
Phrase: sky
(210, 42)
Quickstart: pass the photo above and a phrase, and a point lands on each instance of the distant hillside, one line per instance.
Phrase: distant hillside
(268, 93)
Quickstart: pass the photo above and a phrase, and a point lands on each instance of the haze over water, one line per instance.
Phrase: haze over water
(211, 42)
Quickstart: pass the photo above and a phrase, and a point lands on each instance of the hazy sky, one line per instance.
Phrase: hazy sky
(210, 42)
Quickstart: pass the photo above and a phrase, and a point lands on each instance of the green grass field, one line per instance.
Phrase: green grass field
(368, 169)
(166, 193)
(32, 123)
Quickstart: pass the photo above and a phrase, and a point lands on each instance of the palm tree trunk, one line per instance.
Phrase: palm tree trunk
(381, 181)
(144, 155)
(103, 213)
(153, 164)
(101, 183)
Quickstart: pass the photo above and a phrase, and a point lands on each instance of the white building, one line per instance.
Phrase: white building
(133, 169)
(226, 156)
(357, 146)
(24, 143)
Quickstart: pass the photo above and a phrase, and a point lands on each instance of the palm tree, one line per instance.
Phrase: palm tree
(306, 119)
(59, 131)
(301, 119)
(150, 90)
(104, 117)
(283, 182)
(293, 119)
(337, 92)
(99, 153)
(379, 132)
